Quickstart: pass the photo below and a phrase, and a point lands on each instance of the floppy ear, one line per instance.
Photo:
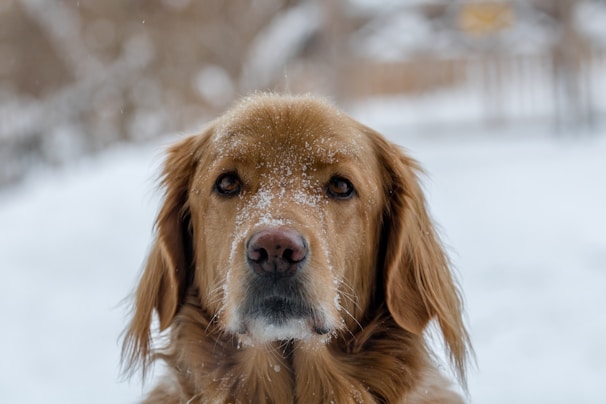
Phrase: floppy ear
(169, 268)
(418, 282)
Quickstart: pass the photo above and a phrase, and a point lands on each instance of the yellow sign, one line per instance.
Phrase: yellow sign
(485, 18)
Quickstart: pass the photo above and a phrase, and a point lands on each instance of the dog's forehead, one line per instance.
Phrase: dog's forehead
(323, 149)
(284, 135)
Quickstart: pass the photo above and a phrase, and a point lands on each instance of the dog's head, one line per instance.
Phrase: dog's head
(290, 220)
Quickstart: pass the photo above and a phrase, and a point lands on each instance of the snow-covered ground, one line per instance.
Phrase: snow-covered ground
(523, 214)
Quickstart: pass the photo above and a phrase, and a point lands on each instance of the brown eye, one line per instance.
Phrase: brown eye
(228, 184)
(340, 188)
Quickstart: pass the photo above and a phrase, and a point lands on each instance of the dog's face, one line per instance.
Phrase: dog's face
(284, 204)
(287, 219)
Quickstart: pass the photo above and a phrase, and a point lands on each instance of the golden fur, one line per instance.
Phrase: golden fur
(374, 277)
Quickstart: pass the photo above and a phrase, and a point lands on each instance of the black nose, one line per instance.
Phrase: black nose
(276, 251)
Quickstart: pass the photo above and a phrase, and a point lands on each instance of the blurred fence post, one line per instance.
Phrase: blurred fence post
(570, 54)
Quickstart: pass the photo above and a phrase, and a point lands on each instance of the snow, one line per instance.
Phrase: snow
(265, 332)
(71, 245)
(214, 85)
(522, 212)
(524, 218)
(278, 42)
(588, 17)
(401, 31)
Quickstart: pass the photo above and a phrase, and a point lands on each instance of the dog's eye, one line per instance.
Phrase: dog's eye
(228, 184)
(340, 188)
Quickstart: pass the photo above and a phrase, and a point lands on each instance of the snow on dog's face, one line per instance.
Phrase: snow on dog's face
(287, 220)
(285, 212)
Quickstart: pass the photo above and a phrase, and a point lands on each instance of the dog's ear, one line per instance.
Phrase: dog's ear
(418, 283)
(169, 267)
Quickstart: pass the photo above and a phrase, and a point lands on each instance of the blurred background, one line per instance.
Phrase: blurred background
(79, 75)
(503, 102)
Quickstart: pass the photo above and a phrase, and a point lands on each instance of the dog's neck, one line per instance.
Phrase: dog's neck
(365, 366)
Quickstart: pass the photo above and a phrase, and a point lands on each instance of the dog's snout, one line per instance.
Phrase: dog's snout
(276, 251)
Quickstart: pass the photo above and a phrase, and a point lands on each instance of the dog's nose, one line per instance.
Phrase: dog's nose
(276, 251)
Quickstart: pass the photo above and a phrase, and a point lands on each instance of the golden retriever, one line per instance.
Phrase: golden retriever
(294, 262)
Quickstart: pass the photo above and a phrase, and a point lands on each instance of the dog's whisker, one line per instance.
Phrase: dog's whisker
(194, 397)
(355, 320)
(351, 296)
(211, 321)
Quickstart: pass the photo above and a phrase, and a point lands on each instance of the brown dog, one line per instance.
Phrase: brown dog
(294, 262)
